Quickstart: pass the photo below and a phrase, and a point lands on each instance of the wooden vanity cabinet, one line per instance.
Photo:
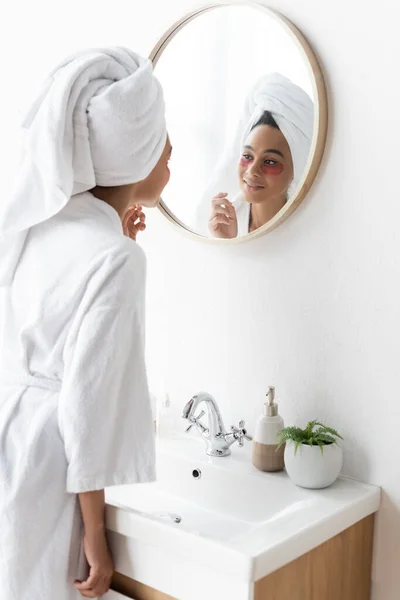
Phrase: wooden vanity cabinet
(339, 569)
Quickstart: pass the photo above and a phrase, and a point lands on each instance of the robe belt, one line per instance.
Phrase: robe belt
(26, 380)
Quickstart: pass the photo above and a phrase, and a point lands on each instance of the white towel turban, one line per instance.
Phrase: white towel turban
(99, 120)
(293, 111)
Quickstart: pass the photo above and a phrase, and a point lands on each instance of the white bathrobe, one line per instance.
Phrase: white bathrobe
(74, 403)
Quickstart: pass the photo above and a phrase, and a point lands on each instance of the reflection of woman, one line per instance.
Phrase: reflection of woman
(75, 412)
(274, 153)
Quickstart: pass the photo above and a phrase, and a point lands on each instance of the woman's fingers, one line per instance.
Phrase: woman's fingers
(136, 215)
(219, 220)
(82, 585)
(223, 220)
(135, 227)
(97, 577)
(94, 594)
(221, 200)
(90, 583)
(95, 586)
(139, 220)
(134, 221)
(222, 210)
(88, 595)
(127, 216)
(221, 204)
(214, 225)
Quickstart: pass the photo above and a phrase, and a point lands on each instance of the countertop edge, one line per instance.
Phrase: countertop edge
(311, 537)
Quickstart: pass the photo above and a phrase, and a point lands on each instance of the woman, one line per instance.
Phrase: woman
(274, 151)
(74, 403)
(265, 172)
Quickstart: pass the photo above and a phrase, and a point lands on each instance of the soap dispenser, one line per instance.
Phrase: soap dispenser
(165, 418)
(266, 457)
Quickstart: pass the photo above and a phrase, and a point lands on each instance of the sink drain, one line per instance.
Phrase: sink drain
(196, 473)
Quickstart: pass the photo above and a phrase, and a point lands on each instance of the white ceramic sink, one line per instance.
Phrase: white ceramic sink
(221, 503)
(232, 518)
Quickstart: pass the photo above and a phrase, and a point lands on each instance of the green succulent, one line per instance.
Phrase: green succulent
(314, 434)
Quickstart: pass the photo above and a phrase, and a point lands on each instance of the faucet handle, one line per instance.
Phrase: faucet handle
(196, 421)
(240, 433)
(245, 434)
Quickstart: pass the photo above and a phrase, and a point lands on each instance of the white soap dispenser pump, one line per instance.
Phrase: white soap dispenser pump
(266, 456)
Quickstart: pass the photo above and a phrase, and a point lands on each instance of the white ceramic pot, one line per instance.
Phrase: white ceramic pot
(309, 468)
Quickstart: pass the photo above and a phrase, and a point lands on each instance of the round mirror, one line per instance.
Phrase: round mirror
(246, 114)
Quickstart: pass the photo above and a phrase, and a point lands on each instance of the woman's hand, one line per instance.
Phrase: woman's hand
(134, 221)
(223, 221)
(101, 566)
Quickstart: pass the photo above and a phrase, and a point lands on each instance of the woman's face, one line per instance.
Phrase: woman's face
(148, 192)
(265, 167)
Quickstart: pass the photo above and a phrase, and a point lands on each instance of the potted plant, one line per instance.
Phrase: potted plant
(313, 457)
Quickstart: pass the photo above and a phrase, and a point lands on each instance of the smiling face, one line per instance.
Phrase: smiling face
(265, 168)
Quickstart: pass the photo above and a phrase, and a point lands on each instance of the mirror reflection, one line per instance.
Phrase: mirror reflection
(240, 112)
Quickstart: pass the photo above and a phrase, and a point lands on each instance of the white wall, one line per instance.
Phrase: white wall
(314, 307)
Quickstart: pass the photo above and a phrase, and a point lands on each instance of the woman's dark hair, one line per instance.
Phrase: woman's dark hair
(266, 119)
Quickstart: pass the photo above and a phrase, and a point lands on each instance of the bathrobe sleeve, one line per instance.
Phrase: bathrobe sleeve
(104, 406)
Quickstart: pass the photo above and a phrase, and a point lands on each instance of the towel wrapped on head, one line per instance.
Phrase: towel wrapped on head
(293, 112)
(99, 120)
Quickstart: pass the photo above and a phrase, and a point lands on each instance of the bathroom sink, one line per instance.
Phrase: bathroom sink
(208, 498)
(224, 514)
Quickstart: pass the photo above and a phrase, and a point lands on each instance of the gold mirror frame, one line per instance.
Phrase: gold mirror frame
(320, 117)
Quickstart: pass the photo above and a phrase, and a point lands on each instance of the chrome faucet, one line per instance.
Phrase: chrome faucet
(218, 441)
